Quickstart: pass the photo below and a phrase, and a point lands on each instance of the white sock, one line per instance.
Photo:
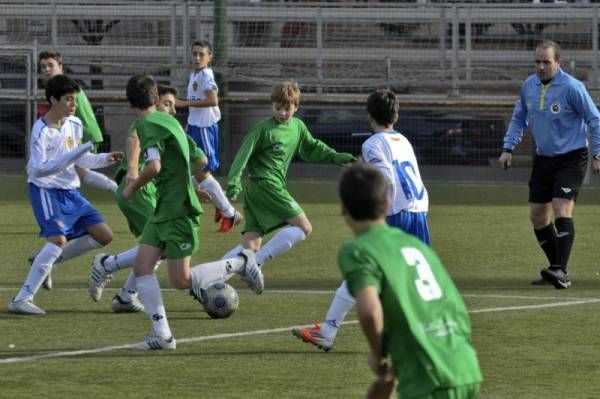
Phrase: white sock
(40, 268)
(233, 253)
(281, 242)
(98, 180)
(122, 260)
(78, 246)
(218, 197)
(129, 287)
(151, 297)
(339, 308)
(205, 274)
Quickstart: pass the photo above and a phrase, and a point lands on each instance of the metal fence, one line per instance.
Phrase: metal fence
(456, 66)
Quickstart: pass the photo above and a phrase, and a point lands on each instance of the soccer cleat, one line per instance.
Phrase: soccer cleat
(218, 215)
(99, 277)
(252, 274)
(557, 276)
(121, 306)
(47, 283)
(541, 281)
(313, 336)
(152, 342)
(227, 223)
(25, 306)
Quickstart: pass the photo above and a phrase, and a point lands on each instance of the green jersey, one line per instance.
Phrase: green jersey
(426, 324)
(195, 154)
(176, 194)
(269, 148)
(84, 111)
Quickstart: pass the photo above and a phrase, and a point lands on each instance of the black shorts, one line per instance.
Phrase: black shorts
(560, 176)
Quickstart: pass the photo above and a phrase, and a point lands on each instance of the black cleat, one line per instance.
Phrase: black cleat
(557, 276)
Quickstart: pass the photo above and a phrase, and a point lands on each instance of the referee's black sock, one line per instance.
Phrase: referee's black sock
(546, 237)
(565, 235)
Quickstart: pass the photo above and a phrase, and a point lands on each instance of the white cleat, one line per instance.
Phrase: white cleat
(25, 306)
(47, 283)
(252, 273)
(156, 342)
(119, 305)
(99, 278)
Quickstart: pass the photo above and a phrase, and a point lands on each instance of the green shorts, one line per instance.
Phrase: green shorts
(178, 237)
(139, 208)
(268, 206)
(470, 391)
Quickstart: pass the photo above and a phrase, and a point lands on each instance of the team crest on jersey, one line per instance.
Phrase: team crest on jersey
(278, 147)
(555, 108)
(195, 86)
(70, 143)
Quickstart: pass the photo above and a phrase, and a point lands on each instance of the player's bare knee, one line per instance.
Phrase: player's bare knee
(59, 241)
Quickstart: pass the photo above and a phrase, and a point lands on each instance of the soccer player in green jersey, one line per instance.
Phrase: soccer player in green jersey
(408, 307)
(267, 152)
(51, 64)
(137, 210)
(171, 231)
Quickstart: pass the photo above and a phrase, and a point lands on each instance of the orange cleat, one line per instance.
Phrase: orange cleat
(227, 224)
(218, 215)
(314, 336)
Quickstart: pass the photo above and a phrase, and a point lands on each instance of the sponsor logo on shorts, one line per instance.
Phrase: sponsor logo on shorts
(185, 246)
(566, 190)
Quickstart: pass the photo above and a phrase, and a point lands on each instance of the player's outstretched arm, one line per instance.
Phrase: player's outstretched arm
(39, 167)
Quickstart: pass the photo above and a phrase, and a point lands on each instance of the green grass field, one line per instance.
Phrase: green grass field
(533, 342)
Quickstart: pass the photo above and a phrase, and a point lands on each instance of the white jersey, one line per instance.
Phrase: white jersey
(392, 154)
(54, 152)
(201, 82)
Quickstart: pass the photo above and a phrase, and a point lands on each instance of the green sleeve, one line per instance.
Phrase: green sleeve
(358, 268)
(152, 135)
(315, 151)
(84, 111)
(196, 152)
(234, 179)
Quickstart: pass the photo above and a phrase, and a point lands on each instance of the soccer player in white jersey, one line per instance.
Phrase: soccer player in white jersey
(391, 153)
(203, 127)
(70, 224)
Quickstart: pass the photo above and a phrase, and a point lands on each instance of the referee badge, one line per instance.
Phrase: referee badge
(555, 108)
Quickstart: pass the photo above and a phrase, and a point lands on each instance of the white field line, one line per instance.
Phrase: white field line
(262, 332)
(330, 292)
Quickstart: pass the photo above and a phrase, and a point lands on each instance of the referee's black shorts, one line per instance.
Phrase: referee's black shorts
(560, 176)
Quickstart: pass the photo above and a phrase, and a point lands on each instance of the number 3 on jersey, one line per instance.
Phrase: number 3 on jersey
(427, 285)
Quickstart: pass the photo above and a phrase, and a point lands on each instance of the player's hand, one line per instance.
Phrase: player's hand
(344, 158)
(233, 192)
(505, 160)
(115, 156)
(383, 386)
(130, 178)
(203, 195)
(596, 166)
(128, 191)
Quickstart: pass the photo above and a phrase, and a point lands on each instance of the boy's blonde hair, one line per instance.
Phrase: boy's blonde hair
(286, 93)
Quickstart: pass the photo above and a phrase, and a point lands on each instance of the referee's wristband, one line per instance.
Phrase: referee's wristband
(507, 150)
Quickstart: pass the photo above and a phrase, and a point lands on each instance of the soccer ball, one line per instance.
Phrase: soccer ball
(220, 300)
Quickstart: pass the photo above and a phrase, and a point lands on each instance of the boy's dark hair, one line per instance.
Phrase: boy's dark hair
(51, 54)
(60, 85)
(363, 190)
(166, 89)
(141, 91)
(383, 106)
(202, 43)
